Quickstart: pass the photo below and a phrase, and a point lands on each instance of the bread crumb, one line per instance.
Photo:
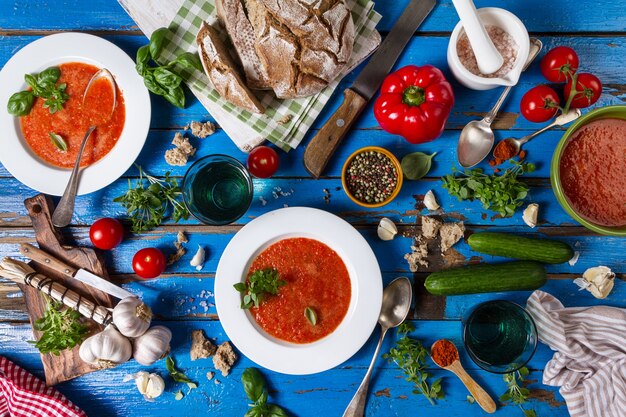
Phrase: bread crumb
(180, 250)
(176, 157)
(418, 255)
(201, 130)
(181, 237)
(201, 347)
(450, 234)
(285, 119)
(430, 227)
(183, 144)
(210, 375)
(217, 382)
(224, 358)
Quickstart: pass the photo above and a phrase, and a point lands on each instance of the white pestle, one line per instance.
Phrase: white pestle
(487, 56)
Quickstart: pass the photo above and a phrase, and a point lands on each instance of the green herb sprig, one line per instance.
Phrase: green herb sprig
(410, 356)
(177, 375)
(500, 193)
(148, 206)
(165, 80)
(42, 85)
(260, 283)
(516, 393)
(61, 328)
(256, 390)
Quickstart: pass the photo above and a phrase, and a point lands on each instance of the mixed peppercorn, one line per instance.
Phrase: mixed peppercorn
(371, 177)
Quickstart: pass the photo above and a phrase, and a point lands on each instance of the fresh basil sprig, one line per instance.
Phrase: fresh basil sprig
(260, 283)
(164, 80)
(254, 385)
(42, 85)
(177, 375)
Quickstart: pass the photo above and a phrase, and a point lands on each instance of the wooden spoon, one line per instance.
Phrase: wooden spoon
(480, 395)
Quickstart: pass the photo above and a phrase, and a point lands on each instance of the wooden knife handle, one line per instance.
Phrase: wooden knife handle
(46, 259)
(324, 144)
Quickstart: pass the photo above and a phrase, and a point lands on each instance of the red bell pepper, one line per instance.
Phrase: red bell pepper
(414, 103)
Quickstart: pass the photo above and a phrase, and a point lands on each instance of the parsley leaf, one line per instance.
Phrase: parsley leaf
(256, 390)
(61, 328)
(516, 393)
(260, 283)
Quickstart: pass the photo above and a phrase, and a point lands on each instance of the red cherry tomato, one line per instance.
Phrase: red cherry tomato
(559, 64)
(106, 233)
(588, 89)
(263, 162)
(539, 104)
(149, 263)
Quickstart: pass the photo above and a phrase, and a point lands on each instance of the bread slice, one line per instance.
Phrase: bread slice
(222, 71)
(232, 16)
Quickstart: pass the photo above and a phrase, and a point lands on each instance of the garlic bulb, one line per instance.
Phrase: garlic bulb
(106, 349)
(430, 201)
(150, 385)
(132, 317)
(598, 281)
(152, 345)
(198, 259)
(387, 229)
(530, 215)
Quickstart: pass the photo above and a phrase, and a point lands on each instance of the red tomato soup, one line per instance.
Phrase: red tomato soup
(593, 172)
(72, 122)
(316, 277)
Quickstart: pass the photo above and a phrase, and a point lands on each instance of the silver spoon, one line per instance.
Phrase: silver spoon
(62, 215)
(561, 120)
(476, 139)
(396, 304)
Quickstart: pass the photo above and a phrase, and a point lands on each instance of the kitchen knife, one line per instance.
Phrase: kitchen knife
(356, 97)
(81, 275)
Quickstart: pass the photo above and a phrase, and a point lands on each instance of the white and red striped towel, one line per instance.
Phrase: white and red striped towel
(590, 360)
(24, 395)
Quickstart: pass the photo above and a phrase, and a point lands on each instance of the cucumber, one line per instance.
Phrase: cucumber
(530, 249)
(473, 279)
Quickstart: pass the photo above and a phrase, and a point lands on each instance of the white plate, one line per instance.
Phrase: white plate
(365, 277)
(16, 155)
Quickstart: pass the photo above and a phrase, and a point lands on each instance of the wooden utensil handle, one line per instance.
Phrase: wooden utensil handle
(46, 259)
(480, 395)
(324, 144)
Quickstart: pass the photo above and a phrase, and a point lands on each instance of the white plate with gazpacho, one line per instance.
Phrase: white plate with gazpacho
(40, 140)
(328, 290)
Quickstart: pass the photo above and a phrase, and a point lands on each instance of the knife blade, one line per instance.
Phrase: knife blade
(356, 97)
(80, 274)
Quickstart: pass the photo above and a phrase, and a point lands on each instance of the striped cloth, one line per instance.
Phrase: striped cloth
(24, 395)
(590, 360)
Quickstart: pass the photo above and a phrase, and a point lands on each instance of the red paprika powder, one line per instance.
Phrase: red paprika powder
(444, 353)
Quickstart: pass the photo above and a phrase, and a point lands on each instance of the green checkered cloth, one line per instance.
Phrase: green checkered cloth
(285, 121)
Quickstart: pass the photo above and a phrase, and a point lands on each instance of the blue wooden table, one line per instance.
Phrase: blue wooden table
(183, 299)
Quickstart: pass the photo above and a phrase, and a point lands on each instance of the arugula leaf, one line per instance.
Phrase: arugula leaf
(260, 283)
(516, 393)
(61, 328)
(254, 385)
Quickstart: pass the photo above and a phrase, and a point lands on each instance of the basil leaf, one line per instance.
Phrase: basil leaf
(151, 84)
(255, 411)
(58, 141)
(276, 411)
(49, 76)
(176, 375)
(240, 286)
(176, 96)
(253, 383)
(416, 165)
(157, 41)
(31, 80)
(189, 60)
(142, 59)
(310, 315)
(21, 103)
(166, 78)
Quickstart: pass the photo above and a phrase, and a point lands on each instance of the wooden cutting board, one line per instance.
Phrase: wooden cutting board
(68, 364)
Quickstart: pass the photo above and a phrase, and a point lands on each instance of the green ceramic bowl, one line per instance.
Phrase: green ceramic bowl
(611, 112)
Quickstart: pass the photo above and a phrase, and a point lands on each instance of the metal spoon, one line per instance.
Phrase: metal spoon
(476, 139)
(62, 215)
(396, 304)
(561, 120)
(480, 395)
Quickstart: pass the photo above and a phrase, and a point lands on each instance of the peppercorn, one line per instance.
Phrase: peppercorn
(371, 177)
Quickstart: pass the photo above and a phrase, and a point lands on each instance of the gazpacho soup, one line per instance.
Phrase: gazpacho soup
(72, 122)
(317, 284)
(593, 172)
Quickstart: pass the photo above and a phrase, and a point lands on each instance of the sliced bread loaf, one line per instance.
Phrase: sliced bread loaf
(222, 71)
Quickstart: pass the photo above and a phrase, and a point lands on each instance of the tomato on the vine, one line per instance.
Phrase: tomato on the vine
(539, 104)
(588, 90)
(106, 233)
(559, 64)
(263, 162)
(149, 263)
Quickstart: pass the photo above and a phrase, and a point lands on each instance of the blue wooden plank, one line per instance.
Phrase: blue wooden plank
(108, 15)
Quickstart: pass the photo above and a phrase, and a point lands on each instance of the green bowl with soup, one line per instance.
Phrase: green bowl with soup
(588, 171)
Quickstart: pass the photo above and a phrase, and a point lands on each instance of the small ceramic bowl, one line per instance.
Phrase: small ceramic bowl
(610, 112)
(395, 163)
(514, 27)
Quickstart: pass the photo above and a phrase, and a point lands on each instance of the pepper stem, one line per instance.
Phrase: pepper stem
(413, 96)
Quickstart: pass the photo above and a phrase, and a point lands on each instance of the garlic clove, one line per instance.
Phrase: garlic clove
(430, 201)
(152, 346)
(601, 281)
(150, 385)
(387, 229)
(132, 317)
(530, 215)
(198, 258)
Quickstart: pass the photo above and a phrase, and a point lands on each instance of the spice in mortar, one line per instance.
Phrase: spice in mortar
(371, 177)
(444, 353)
(504, 43)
